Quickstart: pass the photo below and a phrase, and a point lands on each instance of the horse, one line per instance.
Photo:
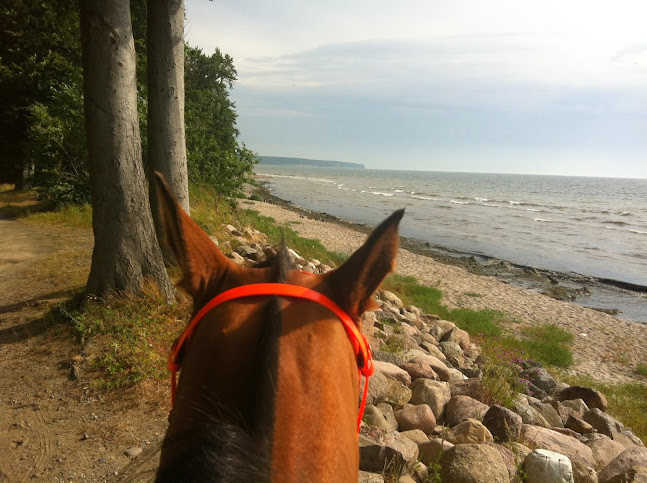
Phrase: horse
(269, 385)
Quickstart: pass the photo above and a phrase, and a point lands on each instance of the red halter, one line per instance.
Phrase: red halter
(361, 347)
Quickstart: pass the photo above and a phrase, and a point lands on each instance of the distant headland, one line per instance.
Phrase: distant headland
(284, 161)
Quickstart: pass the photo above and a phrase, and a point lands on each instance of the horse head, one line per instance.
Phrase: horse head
(269, 386)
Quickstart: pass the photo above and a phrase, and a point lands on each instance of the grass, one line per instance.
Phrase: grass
(627, 401)
(69, 215)
(641, 369)
(128, 337)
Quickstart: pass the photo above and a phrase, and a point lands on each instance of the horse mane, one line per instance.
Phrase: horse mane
(233, 450)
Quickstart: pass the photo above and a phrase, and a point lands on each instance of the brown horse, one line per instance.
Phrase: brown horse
(269, 384)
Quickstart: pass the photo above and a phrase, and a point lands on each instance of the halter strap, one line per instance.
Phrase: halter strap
(361, 348)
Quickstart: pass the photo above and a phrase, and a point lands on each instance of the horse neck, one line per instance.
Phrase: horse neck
(314, 436)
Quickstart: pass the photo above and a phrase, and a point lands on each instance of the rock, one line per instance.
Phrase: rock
(473, 463)
(604, 449)
(419, 370)
(238, 260)
(542, 466)
(380, 449)
(583, 473)
(366, 477)
(456, 376)
(436, 364)
(406, 479)
(471, 372)
(409, 330)
(592, 398)
(578, 425)
(391, 298)
(549, 414)
(529, 415)
(387, 357)
(416, 435)
(419, 472)
(451, 350)
(629, 458)
(636, 474)
(436, 394)
(133, 452)
(383, 389)
(387, 411)
(232, 230)
(469, 431)
(509, 458)
(416, 417)
(430, 451)
(578, 406)
(460, 408)
(472, 388)
(503, 423)
(540, 378)
(605, 424)
(375, 418)
(459, 336)
(393, 372)
(543, 438)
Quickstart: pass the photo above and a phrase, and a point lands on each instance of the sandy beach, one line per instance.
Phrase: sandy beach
(605, 347)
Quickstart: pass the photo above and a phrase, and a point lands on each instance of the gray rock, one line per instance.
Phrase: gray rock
(583, 473)
(419, 370)
(471, 387)
(381, 450)
(456, 376)
(459, 336)
(540, 378)
(578, 406)
(473, 463)
(629, 458)
(592, 398)
(436, 394)
(604, 449)
(430, 451)
(460, 408)
(416, 417)
(578, 425)
(393, 372)
(471, 372)
(529, 415)
(391, 298)
(379, 355)
(416, 435)
(542, 466)
(375, 418)
(503, 423)
(238, 260)
(549, 413)
(436, 364)
(451, 350)
(383, 389)
(366, 477)
(605, 424)
(389, 415)
(635, 474)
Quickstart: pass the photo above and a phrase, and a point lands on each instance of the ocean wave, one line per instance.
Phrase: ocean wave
(625, 213)
(514, 202)
(492, 205)
(295, 177)
(425, 198)
(544, 220)
(638, 232)
(613, 222)
(534, 209)
(482, 200)
(399, 191)
(378, 193)
(459, 202)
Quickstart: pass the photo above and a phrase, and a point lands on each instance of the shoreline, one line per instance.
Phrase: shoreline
(605, 348)
(567, 286)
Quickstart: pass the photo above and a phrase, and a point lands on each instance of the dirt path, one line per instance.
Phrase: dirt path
(53, 425)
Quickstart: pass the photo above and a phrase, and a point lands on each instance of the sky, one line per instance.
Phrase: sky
(512, 86)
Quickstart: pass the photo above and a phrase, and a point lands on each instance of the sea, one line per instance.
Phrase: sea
(590, 226)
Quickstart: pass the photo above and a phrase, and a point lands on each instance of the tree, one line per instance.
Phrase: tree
(214, 155)
(166, 139)
(125, 247)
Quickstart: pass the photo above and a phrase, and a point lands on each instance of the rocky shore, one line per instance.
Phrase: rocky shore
(431, 417)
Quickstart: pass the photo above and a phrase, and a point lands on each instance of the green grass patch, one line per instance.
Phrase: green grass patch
(641, 369)
(68, 215)
(627, 401)
(473, 294)
(128, 337)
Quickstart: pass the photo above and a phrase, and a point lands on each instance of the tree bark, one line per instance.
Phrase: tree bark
(126, 251)
(166, 138)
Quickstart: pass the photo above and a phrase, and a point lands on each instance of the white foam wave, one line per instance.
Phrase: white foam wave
(426, 198)
(545, 220)
(492, 205)
(482, 200)
(459, 202)
(378, 193)
(399, 191)
(533, 209)
(639, 232)
(514, 202)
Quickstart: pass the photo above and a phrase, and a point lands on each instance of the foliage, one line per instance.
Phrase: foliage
(129, 336)
(213, 153)
(641, 369)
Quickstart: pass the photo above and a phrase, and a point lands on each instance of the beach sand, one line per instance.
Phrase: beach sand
(605, 348)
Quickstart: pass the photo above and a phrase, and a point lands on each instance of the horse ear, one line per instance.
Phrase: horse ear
(200, 259)
(355, 282)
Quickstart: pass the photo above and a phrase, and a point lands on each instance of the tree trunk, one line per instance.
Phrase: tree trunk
(166, 140)
(126, 251)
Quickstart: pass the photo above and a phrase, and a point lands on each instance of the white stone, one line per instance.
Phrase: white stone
(542, 465)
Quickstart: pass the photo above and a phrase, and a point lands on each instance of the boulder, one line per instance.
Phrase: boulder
(529, 415)
(542, 438)
(460, 408)
(473, 463)
(419, 370)
(503, 424)
(635, 474)
(626, 460)
(415, 435)
(416, 417)
(391, 298)
(389, 415)
(433, 350)
(436, 364)
(366, 477)
(578, 425)
(509, 458)
(380, 449)
(578, 406)
(430, 451)
(592, 398)
(436, 394)
(456, 376)
(459, 336)
(469, 431)
(605, 424)
(375, 418)
(452, 351)
(542, 466)
(540, 378)
(583, 473)
(383, 389)
(549, 413)
(472, 388)
(604, 449)
(393, 372)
